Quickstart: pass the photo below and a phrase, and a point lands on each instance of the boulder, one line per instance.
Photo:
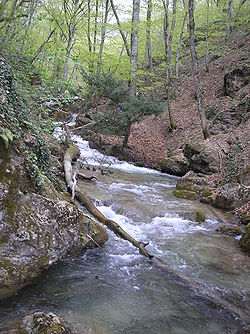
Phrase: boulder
(82, 120)
(44, 323)
(203, 158)
(245, 241)
(235, 80)
(233, 230)
(175, 165)
(231, 196)
(196, 183)
(36, 228)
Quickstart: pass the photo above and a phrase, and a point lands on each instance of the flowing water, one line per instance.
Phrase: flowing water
(114, 289)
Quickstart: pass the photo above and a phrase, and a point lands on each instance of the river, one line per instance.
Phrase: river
(114, 289)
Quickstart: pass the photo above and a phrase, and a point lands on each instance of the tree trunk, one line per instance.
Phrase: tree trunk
(167, 50)
(88, 31)
(89, 38)
(69, 47)
(229, 18)
(119, 27)
(72, 153)
(43, 45)
(148, 34)
(201, 111)
(134, 43)
(126, 137)
(96, 19)
(179, 46)
(171, 37)
(99, 65)
(207, 33)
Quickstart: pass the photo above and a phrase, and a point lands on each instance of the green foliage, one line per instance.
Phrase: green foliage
(132, 108)
(6, 135)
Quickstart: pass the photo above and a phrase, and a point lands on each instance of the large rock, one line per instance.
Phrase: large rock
(176, 164)
(202, 157)
(43, 323)
(235, 80)
(36, 229)
(245, 241)
(37, 323)
(232, 196)
(196, 184)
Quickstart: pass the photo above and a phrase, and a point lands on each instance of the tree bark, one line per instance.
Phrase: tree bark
(229, 18)
(43, 45)
(69, 47)
(201, 111)
(148, 35)
(207, 33)
(134, 43)
(179, 46)
(171, 37)
(119, 27)
(99, 65)
(96, 20)
(72, 153)
(126, 137)
(167, 51)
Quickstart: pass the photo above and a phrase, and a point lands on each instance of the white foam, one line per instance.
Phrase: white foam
(94, 157)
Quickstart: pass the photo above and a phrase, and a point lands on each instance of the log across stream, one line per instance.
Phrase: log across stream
(204, 287)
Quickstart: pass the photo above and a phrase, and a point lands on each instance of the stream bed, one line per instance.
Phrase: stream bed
(114, 289)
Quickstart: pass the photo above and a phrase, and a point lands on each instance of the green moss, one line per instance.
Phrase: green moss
(4, 238)
(191, 195)
(245, 219)
(230, 230)
(206, 193)
(200, 216)
(10, 201)
(245, 241)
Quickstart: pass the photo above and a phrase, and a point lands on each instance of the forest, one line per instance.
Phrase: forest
(124, 166)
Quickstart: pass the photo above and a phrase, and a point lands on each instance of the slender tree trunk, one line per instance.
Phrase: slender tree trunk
(148, 34)
(166, 39)
(119, 27)
(126, 137)
(179, 46)
(229, 18)
(43, 45)
(89, 38)
(134, 43)
(88, 32)
(201, 111)
(69, 48)
(171, 37)
(96, 20)
(99, 65)
(207, 33)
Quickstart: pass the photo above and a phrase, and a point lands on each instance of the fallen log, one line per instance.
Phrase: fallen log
(71, 154)
(209, 297)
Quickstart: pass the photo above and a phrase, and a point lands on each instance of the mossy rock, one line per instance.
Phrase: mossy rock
(245, 241)
(230, 230)
(200, 216)
(191, 195)
(245, 219)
